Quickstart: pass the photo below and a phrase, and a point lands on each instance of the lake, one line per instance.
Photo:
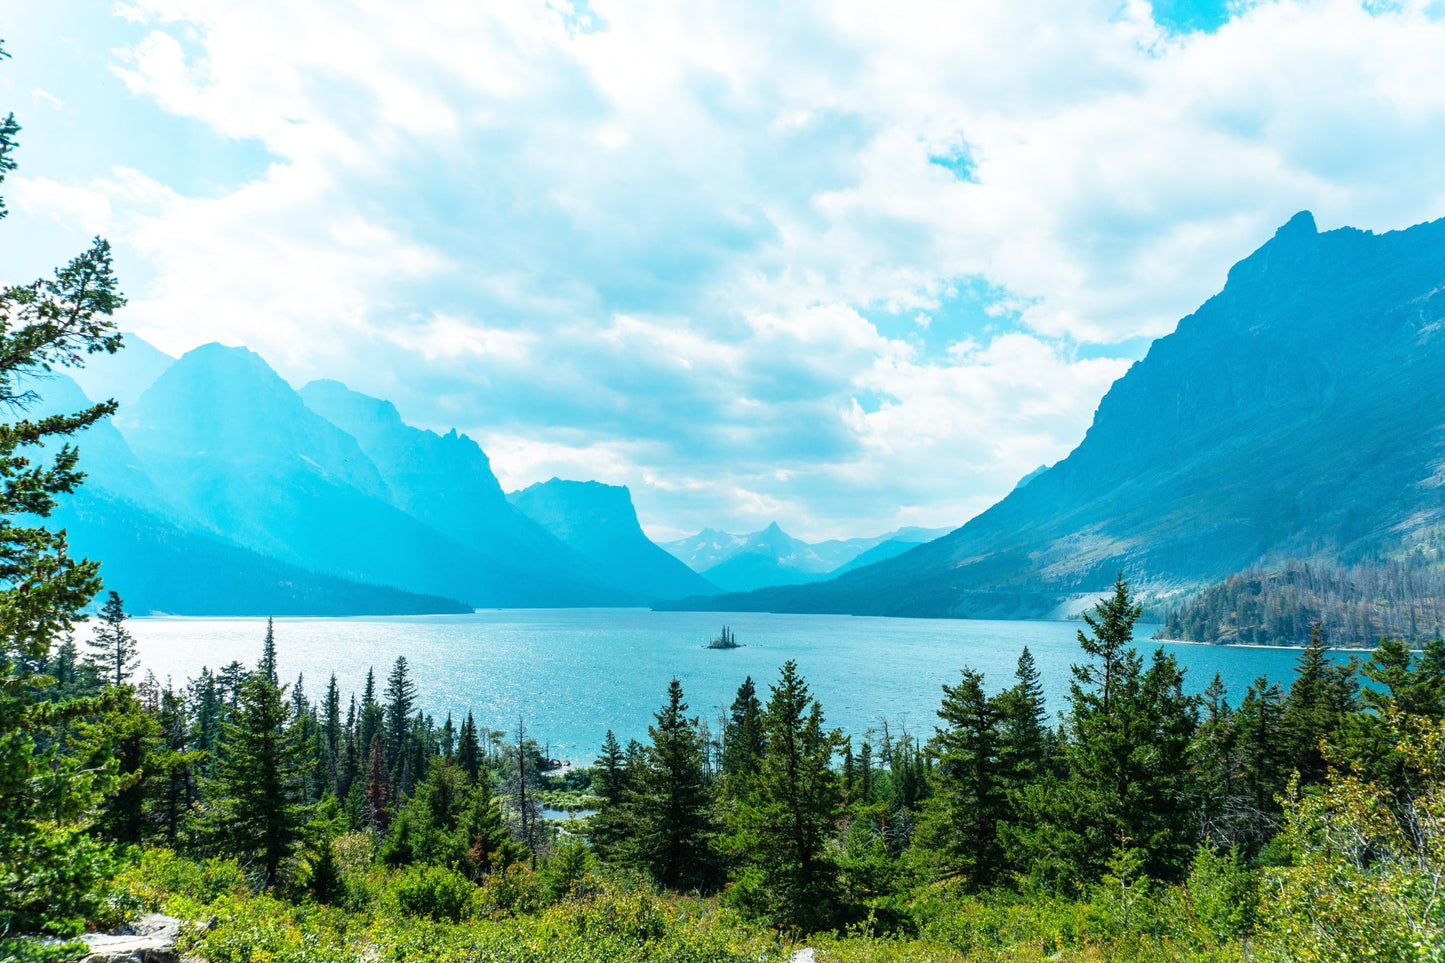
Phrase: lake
(574, 673)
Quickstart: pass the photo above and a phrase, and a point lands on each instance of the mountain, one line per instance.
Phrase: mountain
(231, 444)
(160, 563)
(161, 567)
(740, 563)
(768, 557)
(706, 549)
(446, 481)
(892, 544)
(124, 375)
(1296, 414)
(599, 522)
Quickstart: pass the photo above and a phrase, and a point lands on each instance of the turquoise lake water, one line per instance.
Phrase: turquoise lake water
(574, 673)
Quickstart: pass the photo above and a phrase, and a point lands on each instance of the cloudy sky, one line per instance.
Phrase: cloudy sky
(846, 265)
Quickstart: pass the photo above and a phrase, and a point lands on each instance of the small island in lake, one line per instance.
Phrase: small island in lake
(725, 641)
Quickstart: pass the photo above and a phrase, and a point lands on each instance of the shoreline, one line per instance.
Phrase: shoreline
(1257, 645)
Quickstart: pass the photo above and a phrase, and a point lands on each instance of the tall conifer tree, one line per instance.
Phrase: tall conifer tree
(50, 863)
(674, 826)
(260, 781)
(743, 739)
(961, 820)
(113, 651)
(782, 827)
(267, 667)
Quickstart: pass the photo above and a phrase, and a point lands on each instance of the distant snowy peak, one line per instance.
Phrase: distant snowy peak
(771, 556)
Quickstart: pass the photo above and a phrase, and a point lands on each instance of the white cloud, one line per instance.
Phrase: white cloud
(642, 241)
(47, 98)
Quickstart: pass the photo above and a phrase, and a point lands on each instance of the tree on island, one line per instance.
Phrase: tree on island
(725, 640)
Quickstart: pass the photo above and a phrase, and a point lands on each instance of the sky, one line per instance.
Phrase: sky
(843, 265)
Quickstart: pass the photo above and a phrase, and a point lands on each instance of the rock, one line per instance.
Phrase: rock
(149, 939)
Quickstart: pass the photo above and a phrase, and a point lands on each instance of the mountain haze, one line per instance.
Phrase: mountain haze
(1299, 413)
(219, 489)
(446, 481)
(771, 556)
(599, 522)
(162, 562)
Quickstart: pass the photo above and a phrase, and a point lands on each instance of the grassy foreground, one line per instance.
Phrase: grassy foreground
(519, 916)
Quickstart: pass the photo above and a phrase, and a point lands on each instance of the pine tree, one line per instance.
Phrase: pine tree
(743, 740)
(378, 789)
(1023, 725)
(50, 864)
(258, 788)
(400, 702)
(1264, 755)
(1429, 685)
(1163, 818)
(1217, 761)
(1128, 783)
(210, 712)
(267, 666)
(425, 828)
(615, 777)
(469, 753)
(1391, 668)
(1103, 768)
(673, 825)
(781, 828)
(113, 650)
(1372, 735)
(486, 845)
(1109, 644)
(171, 768)
(126, 738)
(449, 738)
(331, 735)
(609, 771)
(229, 680)
(72, 676)
(1312, 716)
(960, 824)
(325, 885)
(370, 723)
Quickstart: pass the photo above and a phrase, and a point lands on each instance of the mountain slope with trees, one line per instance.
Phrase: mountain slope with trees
(1355, 605)
(1295, 415)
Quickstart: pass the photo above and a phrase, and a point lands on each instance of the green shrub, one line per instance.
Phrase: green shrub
(567, 869)
(1221, 893)
(158, 880)
(515, 889)
(432, 892)
(263, 929)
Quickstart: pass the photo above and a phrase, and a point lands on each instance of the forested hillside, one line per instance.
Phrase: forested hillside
(1356, 605)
